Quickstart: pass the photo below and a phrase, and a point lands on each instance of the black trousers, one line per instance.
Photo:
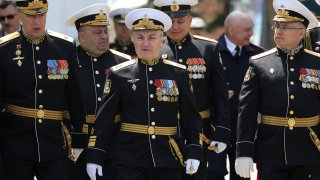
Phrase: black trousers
(138, 173)
(202, 170)
(217, 166)
(269, 172)
(19, 169)
(78, 170)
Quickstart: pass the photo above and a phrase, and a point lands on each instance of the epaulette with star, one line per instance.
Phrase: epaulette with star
(126, 56)
(59, 35)
(9, 37)
(204, 38)
(164, 57)
(122, 65)
(258, 56)
(312, 52)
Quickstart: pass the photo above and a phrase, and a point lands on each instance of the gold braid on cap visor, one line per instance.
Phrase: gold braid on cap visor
(100, 20)
(283, 15)
(33, 7)
(146, 23)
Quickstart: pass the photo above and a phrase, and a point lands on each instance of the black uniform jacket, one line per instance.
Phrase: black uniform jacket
(124, 48)
(138, 92)
(201, 56)
(235, 70)
(94, 73)
(43, 76)
(315, 39)
(273, 86)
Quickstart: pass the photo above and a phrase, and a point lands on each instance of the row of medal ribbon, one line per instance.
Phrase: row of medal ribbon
(196, 68)
(57, 69)
(166, 90)
(310, 78)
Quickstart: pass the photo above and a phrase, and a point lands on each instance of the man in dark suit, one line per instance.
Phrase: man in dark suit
(156, 104)
(235, 50)
(95, 59)
(312, 39)
(283, 85)
(201, 56)
(38, 80)
(9, 18)
(122, 41)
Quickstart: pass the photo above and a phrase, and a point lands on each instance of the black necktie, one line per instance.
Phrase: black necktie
(237, 54)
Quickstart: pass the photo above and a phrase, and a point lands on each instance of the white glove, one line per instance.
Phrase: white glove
(192, 166)
(77, 152)
(218, 147)
(92, 170)
(243, 166)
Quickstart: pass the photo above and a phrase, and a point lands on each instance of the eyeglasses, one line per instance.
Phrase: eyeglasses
(284, 27)
(10, 16)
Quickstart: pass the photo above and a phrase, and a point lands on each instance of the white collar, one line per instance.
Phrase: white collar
(231, 46)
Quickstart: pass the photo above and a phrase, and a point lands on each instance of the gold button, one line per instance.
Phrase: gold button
(98, 85)
(40, 76)
(180, 60)
(151, 130)
(97, 72)
(151, 96)
(40, 106)
(40, 121)
(150, 69)
(153, 136)
(95, 59)
(291, 83)
(292, 69)
(292, 97)
(40, 91)
(291, 112)
(179, 47)
(40, 113)
(37, 48)
(152, 109)
(38, 62)
(150, 82)
(99, 99)
(153, 123)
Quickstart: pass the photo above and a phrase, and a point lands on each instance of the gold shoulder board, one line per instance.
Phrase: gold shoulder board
(264, 54)
(174, 64)
(122, 65)
(61, 36)
(126, 56)
(312, 52)
(9, 37)
(205, 38)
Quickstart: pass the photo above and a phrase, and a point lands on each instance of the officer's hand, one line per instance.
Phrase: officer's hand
(92, 170)
(77, 152)
(243, 166)
(217, 146)
(192, 166)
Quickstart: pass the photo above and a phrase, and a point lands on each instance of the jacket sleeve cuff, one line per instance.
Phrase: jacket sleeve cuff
(95, 156)
(245, 149)
(194, 151)
(222, 134)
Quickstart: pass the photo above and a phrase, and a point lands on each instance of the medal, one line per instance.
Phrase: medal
(304, 85)
(134, 87)
(194, 76)
(165, 98)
